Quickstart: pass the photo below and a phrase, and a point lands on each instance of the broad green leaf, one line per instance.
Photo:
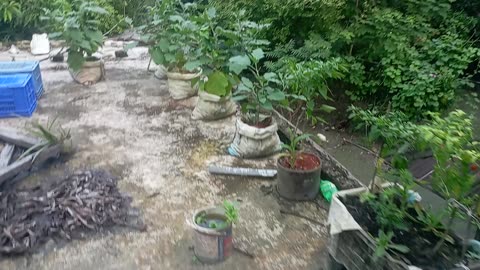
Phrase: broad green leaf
(258, 54)
(130, 45)
(217, 84)
(238, 63)
(75, 35)
(239, 98)
(176, 18)
(95, 36)
(85, 45)
(157, 56)
(269, 76)
(55, 35)
(163, 45)
(247, 83)
(192, 65)
(277, 96)
(75, 60)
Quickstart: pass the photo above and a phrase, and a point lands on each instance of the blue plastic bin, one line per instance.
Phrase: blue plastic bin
(17, 95)
(30, 67)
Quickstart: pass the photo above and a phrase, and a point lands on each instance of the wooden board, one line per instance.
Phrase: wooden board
(6, 155)
(14, 137)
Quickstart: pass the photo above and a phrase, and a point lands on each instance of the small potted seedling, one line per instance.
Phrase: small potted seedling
(174, 46)
(80, 30)
(298, 176)
(213, 237)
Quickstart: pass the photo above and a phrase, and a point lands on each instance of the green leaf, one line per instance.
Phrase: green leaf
(270, 76)
(75, 60)
(217, 84)
(258, 54)
(238, 63)
(157, 56)
(95, 36)
(327, 109)
(247, 83)
(163, 45)
(192, 65)
(400, 248)
(276, 95)
(211, 12)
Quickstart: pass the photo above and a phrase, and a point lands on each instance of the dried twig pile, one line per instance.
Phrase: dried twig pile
(85, 200)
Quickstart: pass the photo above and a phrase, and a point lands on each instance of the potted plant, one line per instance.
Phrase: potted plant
(213, 236)
(256, 133)
(79, 27)
(388, 226)
(298, 172)
(224, 45)
(175, 46)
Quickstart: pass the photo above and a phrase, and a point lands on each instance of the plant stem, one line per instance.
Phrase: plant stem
(447, 229)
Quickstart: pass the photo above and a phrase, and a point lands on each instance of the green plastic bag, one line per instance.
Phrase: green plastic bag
(328, 189)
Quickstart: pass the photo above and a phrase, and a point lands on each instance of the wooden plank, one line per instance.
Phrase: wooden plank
(13, 136)
(6, 155)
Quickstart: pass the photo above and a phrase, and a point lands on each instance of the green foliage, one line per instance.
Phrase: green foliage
(410, 54)
(231, 212)
(259, 96)
(8, 10)
(292, 148)
(174, 36)
(28, 19)
(80, 30)
(384, 244)
(309, 81)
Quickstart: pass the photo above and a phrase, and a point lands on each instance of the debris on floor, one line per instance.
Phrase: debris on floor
(86, 200)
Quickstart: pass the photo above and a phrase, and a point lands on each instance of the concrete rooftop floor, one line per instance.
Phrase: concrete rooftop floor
(128, 125)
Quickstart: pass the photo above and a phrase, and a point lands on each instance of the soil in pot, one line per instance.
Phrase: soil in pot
(301, 181)
(304, 162)
(213, 239)
(416, 238)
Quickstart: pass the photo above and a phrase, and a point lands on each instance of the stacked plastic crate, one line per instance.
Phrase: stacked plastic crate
(20, 87)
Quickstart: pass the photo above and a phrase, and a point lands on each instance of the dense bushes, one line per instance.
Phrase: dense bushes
(410, 54)
(19, 19)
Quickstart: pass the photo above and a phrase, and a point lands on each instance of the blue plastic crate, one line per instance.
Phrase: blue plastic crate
(17, 95)
(31, 67)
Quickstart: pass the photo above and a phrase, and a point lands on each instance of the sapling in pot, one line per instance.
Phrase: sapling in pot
(174, 45)
(224, 45)
(213, 231)
(298, 171)
(79, 27)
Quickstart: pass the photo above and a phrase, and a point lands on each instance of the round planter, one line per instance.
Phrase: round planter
(296, 184)
(180, 84)
(212, 245)
(90, 73)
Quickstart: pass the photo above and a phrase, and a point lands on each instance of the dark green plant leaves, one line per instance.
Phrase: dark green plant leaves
(75, 60)
(218, 84)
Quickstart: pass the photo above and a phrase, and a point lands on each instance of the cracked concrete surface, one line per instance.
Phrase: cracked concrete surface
(127, 124)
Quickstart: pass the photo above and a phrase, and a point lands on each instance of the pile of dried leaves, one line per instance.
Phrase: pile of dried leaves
(86, 200)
